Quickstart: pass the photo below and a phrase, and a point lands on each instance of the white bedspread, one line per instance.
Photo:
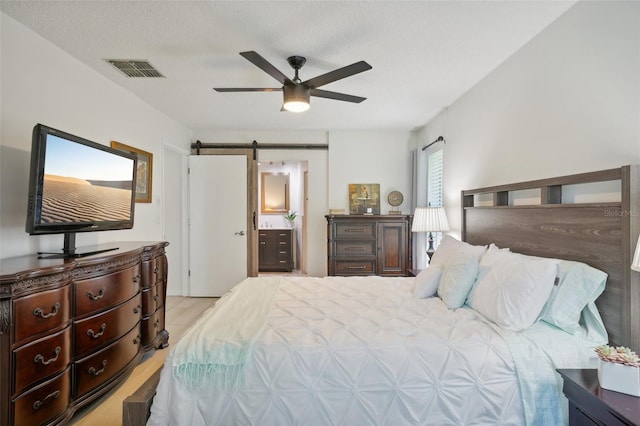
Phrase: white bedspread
(359, 351)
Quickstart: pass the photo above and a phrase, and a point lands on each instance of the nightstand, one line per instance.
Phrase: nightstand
(413, 272)
(589, 404)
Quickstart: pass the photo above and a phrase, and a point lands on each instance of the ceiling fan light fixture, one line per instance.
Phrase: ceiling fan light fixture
(296, 98)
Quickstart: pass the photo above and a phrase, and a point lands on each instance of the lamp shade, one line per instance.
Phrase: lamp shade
(429, 219)
(635, 263)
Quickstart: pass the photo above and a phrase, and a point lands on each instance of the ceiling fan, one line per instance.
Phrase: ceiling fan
(297, 92)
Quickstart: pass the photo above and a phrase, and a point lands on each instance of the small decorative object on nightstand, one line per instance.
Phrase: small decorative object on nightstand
(590, 404)
(619, 369)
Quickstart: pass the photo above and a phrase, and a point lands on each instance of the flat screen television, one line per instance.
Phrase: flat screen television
(76, 185)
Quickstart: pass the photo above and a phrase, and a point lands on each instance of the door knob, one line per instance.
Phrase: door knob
(239, 233)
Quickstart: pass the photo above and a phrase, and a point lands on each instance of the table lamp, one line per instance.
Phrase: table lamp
(430, 219)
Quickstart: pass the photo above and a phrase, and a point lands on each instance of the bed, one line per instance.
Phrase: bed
(372, 350)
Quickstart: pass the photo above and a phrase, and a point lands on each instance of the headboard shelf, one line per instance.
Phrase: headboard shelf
(550, 188)
(600, 234)
(612, 204)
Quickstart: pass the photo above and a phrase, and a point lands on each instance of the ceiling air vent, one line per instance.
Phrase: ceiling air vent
(135, 68)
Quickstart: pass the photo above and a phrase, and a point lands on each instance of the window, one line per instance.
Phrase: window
(434, 179)
(434, 186)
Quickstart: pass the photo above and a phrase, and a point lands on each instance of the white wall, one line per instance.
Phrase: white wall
(40, 83)
(370, 157)
(567, 102)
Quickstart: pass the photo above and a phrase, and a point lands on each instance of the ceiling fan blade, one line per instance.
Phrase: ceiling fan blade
(337, 96)
(265, 66)
(247, 89)
(338, 74)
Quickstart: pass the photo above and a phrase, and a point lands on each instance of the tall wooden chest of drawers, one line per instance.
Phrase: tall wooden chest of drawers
(72, 329)
(369, 245)
(276, 249)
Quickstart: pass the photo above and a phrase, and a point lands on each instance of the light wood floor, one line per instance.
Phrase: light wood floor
(181, 312)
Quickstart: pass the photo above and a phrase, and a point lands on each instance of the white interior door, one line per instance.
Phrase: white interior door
(217, 225)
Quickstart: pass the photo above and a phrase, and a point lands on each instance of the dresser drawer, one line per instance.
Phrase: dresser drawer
(284, 255)
(151, 299)
(151, 326)
(100, 367)
(161, 268)
(45, 402)
(283, 236)
(355, 267)
(95, 294)
(355, 230)
(41, 359)
(151, 271)
(93, 332)
(41, 312)
(280, 244)
(355, 248)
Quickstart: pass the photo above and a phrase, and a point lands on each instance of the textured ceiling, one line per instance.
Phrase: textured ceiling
(425, 54)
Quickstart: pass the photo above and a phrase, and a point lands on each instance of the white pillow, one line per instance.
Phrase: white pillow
(450, 248)
(458, 276)
(512, 289)
(426, 282)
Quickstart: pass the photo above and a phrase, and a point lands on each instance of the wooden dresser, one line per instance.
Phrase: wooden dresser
(369, 245)
(72, 329)
(276, 249)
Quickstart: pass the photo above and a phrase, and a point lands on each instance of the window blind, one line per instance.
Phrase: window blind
(434, 186)
(434, 178)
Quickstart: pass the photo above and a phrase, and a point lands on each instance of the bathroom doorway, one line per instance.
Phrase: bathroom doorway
(282, 191)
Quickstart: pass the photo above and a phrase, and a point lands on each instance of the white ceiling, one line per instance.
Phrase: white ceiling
(425, 54)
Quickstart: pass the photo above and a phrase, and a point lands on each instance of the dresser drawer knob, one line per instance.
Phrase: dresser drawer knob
(40, 359)
(95, 335)
(48, 398)
(98, 296)
(95, 372)
(156, 323)
(136, 278)
(137, 340)
(40, 313)
(137, 309)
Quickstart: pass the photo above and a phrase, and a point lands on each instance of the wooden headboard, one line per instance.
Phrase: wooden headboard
(600, 234)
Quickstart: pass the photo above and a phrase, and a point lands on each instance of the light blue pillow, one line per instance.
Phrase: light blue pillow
(458, 276)
(579, 284)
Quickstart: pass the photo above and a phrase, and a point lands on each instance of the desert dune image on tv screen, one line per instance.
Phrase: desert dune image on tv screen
(84, 184)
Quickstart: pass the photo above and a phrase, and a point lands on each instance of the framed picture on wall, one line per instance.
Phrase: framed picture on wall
(144, 174)
(364, 198)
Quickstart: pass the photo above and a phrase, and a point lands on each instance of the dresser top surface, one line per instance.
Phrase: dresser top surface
(21, 264)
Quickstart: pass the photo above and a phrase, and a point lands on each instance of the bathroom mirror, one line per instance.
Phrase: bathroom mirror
(275, 193)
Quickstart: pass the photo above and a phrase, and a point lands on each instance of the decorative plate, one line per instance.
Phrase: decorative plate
(395, 198)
